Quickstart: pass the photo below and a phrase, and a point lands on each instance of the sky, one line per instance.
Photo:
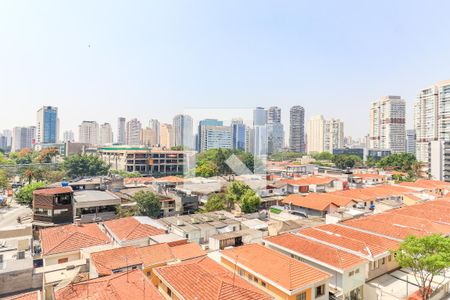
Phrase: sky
(98, 60)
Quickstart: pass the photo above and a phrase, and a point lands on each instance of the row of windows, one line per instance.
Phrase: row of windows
(376, 264)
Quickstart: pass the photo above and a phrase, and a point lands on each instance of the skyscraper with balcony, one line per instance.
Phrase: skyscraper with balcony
(121, 131)
(431, 117)
(154, 126)
(47, 125)
(106, 134)
(275, 130)
(387, 124)
(88, 132)
(133, 132)
(297, 129)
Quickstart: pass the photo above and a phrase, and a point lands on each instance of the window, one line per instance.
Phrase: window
(63, 260)
(241, 273)
(263, 283)
(148, 274)
(169, 292)
(301, 296)
(255, 279)
(351, 273)
(59, 211)
(250, 277)
(390, 258)
(320, 290)
(383, 260)
(357, 271)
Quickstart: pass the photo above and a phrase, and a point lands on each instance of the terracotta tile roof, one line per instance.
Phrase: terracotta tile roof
(330, 256)
(365, 243)
(107, 261)
(53, 191)
(71, 238)
(138, 180)
(126, 229)
(126, 285)
(319, 204)
(317, 180)
(427, 184)
(287, 272)
(204, 279)
(35, 295)
(187, 251)
(163, 253)
(369, 176)
(172, 179)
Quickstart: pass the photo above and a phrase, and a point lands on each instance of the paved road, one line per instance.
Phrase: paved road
(8, 216)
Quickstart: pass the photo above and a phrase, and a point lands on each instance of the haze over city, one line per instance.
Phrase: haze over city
(101, 60)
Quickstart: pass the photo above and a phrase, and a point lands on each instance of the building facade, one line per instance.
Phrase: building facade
(387, 124)
(133, 133)
(215, 137)
(239, 134)
(121, 131)
(154, 125)
(411, 141)
(297, 129)
(106, 134)
(431, 122)
(23, 137)
(47, 125)
(183, 131)
(166, 136)
(89, 133)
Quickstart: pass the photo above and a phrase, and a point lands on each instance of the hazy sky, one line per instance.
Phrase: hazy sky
(98, 60)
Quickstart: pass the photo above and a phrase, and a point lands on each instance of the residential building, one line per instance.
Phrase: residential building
(68, 136)
(387, 124)
(148, 137)
(325, 135)
(439, 160)
(259, 116)
(89, 133)
(94, 205)
(133, 231)
(147, 161)
(133, 132)
(200, 140)
(63, 244)
(8, 135)
(121, 131)
(47, 126)
(3, 142)
(154, 125)
(166, 138)
(430, 117)
(411, 141)
(275, 130)
(53, 206)
(276, 274)
(215, 137)
(187, 281)
(106, 134)
(127, 285)
(297, 129)
(23, 137)
(183, 131)
(239, 134)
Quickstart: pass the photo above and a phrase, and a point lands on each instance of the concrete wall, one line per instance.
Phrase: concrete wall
(18, 281)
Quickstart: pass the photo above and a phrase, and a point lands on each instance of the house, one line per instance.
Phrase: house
(315, 204)
(127, 285)
(95, 205)
(111, 261)
(34, 295)
(63, 244)
(277, 274)
(367, 179)
(348, 270)
(133, 231)
(235, 238)
(53, 206)
(316, 184)
(203, 279)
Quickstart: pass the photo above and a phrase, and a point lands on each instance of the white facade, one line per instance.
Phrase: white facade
(23, 137)
(106, 134)
(215, 137)
(154, 125)
(387, 124)
(133, 133)
(325, 135)
(88, 132)
(166, 135)
(121, 131)
(439, 160)
(68, 136)
(431, 117)
(183, 131)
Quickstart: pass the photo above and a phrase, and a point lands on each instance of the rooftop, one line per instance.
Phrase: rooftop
(130, 228)
(107, 261)
(53, 191)
(71, 238)
(275, 267)
(127, 285)
(204, 279)
(336, 259)
(164, 253)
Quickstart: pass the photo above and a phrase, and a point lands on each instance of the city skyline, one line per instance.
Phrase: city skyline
(93, 71)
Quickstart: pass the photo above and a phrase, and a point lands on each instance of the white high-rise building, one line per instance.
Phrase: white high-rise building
(133, 132)
(325, 135)
(106, 134)
(431, 117)
(215, 137)
(387, 124)
(8, 136)
(183, 131)
(297, 129)
(68, 136)
(88, 132)
(121, 131)
(154, 125)
(23, 137)
(275, 130)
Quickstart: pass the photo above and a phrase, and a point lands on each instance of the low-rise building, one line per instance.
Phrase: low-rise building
(277, 274)
(53, 206)
(187, 281)
(95, 205)
(234, 239)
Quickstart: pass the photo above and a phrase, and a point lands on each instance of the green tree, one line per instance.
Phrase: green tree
(24, 195)
(46, 155)
(85, 165)
(147, 203)
(235, 191)
(347, 161)
(177, 148)
(404, 162)
(215, 202)
(427, 257)
(282, 156)
(126, 174)
(323, 156)
(250, 202)
(213, 162)
(207, 169)
(4, 182)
